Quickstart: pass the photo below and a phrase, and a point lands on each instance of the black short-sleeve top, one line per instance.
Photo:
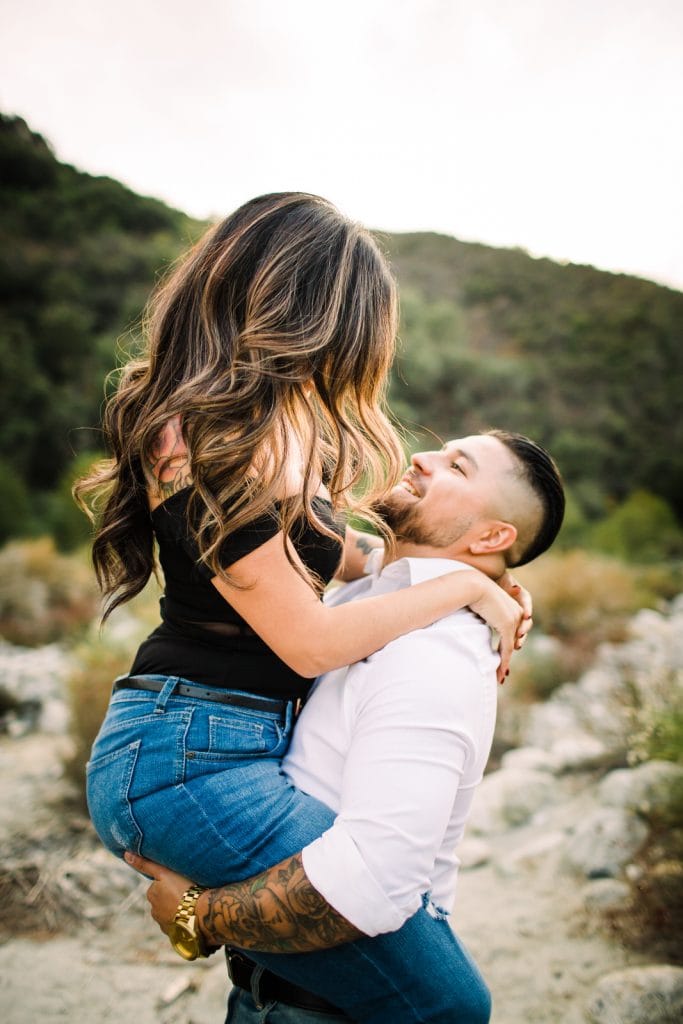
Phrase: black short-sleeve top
(189, 641)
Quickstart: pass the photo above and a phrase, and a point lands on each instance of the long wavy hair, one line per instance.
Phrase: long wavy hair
(273, 335)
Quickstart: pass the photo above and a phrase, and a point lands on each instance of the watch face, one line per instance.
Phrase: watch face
(184, 940)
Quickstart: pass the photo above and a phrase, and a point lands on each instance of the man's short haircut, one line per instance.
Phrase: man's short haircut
(543, 477)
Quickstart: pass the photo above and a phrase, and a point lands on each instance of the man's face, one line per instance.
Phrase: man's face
(446, 494)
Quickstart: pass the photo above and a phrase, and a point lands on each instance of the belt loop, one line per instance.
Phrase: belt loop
(255, 979)
(168, 688)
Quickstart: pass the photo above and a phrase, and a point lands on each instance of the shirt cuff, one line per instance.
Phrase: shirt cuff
(335, 867)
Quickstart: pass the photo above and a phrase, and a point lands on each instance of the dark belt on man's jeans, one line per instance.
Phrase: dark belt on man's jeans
(240, 700)
(271, 988)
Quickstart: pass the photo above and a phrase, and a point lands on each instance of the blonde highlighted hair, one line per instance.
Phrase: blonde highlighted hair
(275, 332)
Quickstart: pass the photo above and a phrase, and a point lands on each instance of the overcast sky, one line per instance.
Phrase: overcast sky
(554, 125)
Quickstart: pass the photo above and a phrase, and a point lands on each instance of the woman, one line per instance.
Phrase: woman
(236, 444)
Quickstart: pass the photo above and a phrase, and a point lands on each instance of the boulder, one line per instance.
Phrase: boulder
(605, 895)
(473, 853)
(509, 798)
(580, 751)
(605, 842)
(638, 995)
(648, 789)
(530, 854)
(550, 722)
(529, 758)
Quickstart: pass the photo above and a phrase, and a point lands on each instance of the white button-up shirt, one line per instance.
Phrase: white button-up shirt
(396, 745)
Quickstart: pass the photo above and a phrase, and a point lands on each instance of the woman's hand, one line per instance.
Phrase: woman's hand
(523, 598)
(165, 892)
(503, 608)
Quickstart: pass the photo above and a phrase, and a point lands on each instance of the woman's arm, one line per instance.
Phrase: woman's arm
(312, 638)
(276, 911)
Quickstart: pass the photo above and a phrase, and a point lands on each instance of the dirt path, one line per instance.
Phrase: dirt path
(520, 914)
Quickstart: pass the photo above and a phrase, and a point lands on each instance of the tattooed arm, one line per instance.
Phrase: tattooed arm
(277, 911)
(357, 547)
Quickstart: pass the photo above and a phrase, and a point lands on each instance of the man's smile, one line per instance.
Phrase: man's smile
(408, 485)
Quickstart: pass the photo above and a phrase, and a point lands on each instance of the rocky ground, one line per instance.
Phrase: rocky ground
(553, 844)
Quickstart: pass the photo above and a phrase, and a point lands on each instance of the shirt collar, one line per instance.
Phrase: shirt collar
(407, 571)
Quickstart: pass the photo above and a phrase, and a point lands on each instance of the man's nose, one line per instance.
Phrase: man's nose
(423, 462)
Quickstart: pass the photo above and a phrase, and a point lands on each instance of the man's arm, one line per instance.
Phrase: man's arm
(357, 549)
(277, 911)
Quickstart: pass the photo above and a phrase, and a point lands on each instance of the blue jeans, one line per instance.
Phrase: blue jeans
(199, 787)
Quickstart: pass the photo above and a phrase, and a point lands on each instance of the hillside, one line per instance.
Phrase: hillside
(590, 363)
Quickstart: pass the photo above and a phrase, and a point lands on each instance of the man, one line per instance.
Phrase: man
(395, 745)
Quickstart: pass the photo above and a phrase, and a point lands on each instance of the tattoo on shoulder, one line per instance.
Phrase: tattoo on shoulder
(168, 465)
(277, 911)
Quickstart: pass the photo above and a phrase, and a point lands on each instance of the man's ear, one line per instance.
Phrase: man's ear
(498, 536)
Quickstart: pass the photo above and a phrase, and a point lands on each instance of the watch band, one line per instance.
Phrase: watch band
(183, 934)
(187, 905)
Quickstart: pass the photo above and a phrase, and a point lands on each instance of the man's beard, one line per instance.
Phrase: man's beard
(408, 522)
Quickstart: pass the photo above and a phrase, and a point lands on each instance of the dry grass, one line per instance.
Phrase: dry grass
(44, 596)
(99, 658)
(584, 598)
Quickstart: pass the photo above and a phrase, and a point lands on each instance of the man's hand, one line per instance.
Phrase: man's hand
(277, 911)
(165, 892)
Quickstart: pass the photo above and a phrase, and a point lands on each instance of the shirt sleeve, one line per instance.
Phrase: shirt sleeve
(411, 741)
(238, 544)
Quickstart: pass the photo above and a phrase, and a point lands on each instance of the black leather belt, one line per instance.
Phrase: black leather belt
(271, 988)
(240, 700)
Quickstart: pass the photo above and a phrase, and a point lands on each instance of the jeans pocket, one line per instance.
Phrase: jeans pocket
(230, 736)
(108, 782)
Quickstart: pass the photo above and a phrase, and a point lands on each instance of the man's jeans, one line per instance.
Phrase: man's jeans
(198, 786)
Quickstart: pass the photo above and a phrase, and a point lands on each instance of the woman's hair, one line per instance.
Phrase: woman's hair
(284, 294)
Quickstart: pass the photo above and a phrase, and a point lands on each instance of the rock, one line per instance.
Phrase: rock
(638, 995)
(54, 716)
(649, 788)
(180, 986)
(473, 853)
(579, 751)
(529, 758)
(509, 798)
(605, 842)
(647, 622)
(33, 681)
(530, 853)
(551, 721)
(605, 895)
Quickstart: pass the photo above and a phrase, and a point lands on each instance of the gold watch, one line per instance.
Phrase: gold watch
(183, 933)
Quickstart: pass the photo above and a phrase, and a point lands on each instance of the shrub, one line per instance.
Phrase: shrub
(99, 658)
(15, 507)
(88, 690)
(44, 596)
(657, 733)
(67, 523)
(583, 598)
(642, 529)
(542, 665)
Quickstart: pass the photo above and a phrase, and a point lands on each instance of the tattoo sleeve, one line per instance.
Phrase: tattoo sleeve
(277, 911)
